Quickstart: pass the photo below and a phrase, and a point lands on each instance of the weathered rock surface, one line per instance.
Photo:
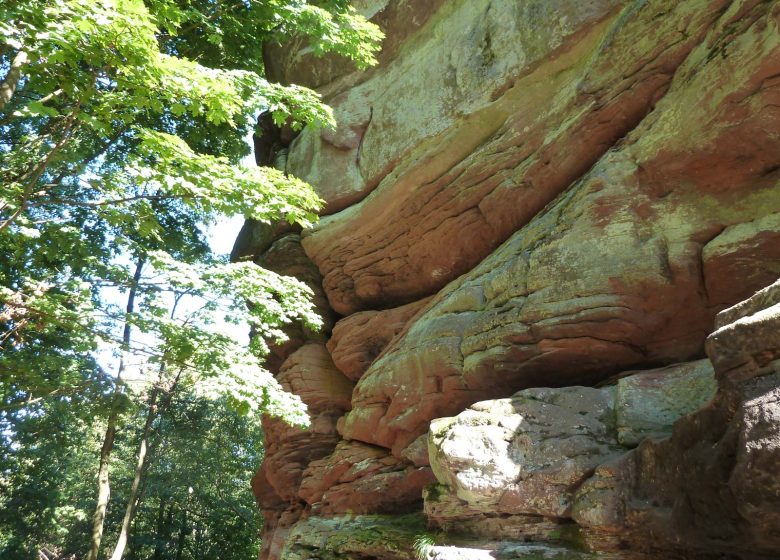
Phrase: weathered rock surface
(711, 486)
(358, 339)
(610, 276)
(535, 211)
(285, 256)
(360, 478)
(648, 403)
(511, 138)
(749, 252)
(355, 537)
(531, 455)
(715, 479)
(523, 455)
(309, 373)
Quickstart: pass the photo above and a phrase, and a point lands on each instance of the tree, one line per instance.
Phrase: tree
(46, 473)
(102, 126)
(117, 149)
(46, 491)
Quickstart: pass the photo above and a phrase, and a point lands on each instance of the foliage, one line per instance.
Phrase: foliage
(100, 159)
(423, 545)
(44, 472)
(222, 519)
(121, 132)
(47, 494)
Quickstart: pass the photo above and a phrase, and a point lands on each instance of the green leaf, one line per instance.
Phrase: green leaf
(38, 108)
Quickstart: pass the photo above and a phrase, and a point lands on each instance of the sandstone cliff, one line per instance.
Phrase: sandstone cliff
(537, 213)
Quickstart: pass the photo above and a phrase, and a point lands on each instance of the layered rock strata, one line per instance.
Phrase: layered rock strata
(535, 211)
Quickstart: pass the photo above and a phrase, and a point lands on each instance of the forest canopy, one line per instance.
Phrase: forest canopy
(122, 129)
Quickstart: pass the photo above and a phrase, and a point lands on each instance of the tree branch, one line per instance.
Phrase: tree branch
(11, 80)
(33, 176)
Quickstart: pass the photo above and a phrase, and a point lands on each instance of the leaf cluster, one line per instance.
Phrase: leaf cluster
(122, 125)
(121, 140)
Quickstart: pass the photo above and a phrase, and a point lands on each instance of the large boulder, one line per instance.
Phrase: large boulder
(509, 466)
(649, 402)
(712, 485)
(525, 454)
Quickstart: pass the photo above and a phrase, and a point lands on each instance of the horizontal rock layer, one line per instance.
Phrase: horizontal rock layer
(528, 455)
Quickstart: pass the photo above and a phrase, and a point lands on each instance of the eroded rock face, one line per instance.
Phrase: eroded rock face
(610, 275)
(719, 469)
(550, 453)
(360, 478)
(284, 255)
(708, 489)
(354, 537)
(648, 403)
(510, 140)
(524, 454)
(360, 338)
(309, 373)
(535, 212)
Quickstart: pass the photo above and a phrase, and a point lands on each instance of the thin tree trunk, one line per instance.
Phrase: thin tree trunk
(161, 525)
(142, 462)
(145, 452)
(11, 80)
(140, 468)
(104, 486)
(183, 530)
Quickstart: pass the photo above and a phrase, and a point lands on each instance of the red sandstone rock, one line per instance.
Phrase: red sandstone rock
(360, 478)
(742, 257)
(610, 276)
(546, 125)
(357, 340)
(273, 508)
(525, 454)
(285, 256)
(713, 484)
(626, 155)
(309, 373)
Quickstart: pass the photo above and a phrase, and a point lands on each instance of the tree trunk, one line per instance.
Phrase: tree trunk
(11, 80)
(183, 530)
(161, 526)
(140, 468)
(104, 486)
(142, 462)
